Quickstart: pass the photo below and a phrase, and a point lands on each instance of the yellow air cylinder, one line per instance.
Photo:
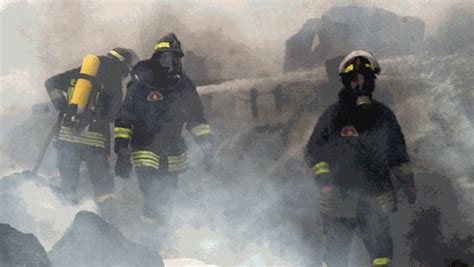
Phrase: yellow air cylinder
(83, 87)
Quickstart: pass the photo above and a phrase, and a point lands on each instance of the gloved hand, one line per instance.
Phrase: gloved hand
(123, 166)
(208, 151)
(410, 192)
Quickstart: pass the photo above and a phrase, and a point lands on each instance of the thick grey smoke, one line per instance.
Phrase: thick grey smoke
(258, 206)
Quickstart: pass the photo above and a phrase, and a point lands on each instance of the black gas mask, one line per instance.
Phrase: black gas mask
(168, 67)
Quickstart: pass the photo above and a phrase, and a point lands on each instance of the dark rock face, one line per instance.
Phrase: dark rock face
(299, 46)
(19, 249)
(342, 29)
(439, 234)
(90, 241)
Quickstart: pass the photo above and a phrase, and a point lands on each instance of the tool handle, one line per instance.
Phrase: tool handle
(46, 143)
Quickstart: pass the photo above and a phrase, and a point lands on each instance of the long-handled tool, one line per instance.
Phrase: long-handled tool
(54, 130)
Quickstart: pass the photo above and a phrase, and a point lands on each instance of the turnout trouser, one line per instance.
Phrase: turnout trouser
(373, 223)
(70, 158)
(158, 188)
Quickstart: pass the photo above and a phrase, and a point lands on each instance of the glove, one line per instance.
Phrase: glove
(208, 151)
(410, 192)
(123, 166)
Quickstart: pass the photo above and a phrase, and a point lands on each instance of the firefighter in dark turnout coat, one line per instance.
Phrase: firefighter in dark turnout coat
(355, 147)
(160, 101)
(88, 99)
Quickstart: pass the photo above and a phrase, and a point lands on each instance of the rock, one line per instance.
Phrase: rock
(90, 241)
(298, 47)
(342, 29)
(19, 249)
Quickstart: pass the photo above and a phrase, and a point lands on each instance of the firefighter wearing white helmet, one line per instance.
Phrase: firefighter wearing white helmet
(88, 97)
(355, 147)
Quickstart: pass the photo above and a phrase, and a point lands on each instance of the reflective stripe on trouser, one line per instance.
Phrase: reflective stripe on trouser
(177, 163)
(381, 262)
(144, 158)
(86, 137)
(158, 188)
(374, 229)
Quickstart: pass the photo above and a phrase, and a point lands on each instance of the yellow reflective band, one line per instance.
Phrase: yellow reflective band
(149, 161)
(177, 159)
(81, 138)
(349, 68)
(321, 168)
(82, 141)
(177, 167)
(162, 45)
(201, 130)
(105, 197)
(86, 136)
(367, 65)
(145, 154)
(405, 168)
(117, 55)
(146, 164)
(381, 261)
(122, 130)
(84, 133)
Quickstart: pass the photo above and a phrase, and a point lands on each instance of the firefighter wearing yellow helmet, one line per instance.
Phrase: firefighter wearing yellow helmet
(355, 147)
(88, 98)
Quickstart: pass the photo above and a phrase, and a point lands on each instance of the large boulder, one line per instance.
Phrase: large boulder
(342, 29)
(19, 249)
(90, 241)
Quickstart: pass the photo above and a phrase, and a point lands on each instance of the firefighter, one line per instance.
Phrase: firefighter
(355, 148)
(88, 99)
(160, 101)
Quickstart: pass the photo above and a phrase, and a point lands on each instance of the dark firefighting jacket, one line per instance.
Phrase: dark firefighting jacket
(152, 118)
(358, 148)
(104, 101)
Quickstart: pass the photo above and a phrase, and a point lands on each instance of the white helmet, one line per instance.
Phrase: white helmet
(347, 64)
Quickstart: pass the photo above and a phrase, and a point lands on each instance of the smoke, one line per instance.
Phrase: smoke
(241, 212)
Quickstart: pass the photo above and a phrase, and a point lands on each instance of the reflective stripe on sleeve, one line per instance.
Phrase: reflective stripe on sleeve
(120, 132)
(201, 130)
(320, 168)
